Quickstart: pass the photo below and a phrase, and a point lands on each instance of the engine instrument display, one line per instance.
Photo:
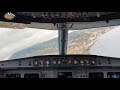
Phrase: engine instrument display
(96, 75)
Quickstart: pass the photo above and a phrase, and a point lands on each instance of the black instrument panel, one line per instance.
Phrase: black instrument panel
(61, 61)
(62, 66)
(76, 61)
(65, 61)
(60, 17)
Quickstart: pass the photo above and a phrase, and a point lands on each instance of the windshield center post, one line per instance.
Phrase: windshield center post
(62, 38)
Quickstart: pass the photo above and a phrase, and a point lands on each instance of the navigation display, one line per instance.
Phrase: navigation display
(96, 75)
(113, 75)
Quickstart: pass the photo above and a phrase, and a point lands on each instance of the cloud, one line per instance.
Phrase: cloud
(108, 44)
(14, 40)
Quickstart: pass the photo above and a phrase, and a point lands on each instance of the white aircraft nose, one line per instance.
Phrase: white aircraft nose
(108, 44)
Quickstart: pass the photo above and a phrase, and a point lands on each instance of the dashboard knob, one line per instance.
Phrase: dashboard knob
(41, 62)
(36, 63)
(47, 62)
(87, 61)
(69, 62)
(59, 62)
(93, 62)
(75, 62)
(54, 62)
(81, 62)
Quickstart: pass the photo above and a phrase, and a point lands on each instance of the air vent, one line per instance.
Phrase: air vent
(109, 61)
(19, 63)
(29, 63)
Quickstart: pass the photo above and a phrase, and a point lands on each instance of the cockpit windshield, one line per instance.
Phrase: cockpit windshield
(101, 41)
(27, 42)
(20, 43)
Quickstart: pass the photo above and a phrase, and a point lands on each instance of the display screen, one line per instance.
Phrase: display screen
(13, 75)
(96, 75)
(64, 74)
(113, 75)
(33, 75)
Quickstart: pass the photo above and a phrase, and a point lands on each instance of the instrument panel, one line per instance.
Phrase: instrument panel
(57, 61)
(81, 73)
(64, 61)
(60, 17)
(61, 66)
